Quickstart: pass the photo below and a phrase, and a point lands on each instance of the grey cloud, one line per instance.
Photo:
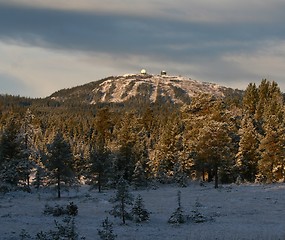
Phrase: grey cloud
(118, 34)
(200, 43)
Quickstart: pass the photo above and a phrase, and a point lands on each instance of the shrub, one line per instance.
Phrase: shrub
(56, 211)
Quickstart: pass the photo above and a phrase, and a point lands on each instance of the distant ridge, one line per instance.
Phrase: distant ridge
(146, 87)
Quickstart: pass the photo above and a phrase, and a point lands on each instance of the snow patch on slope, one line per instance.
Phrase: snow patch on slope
(122, 88)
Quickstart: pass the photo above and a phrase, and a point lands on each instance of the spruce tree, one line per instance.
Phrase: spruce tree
(139, 213)
(250, 99)
(212, 144)
(10, 153)
(248, 155)
(126, 131)
(139, 178)
(106, 232)
(168, 149)
(122, 200)
(100, 166)
(207, 139)
(177, 216)
(28, 151)
(59, 162)
(271, 164)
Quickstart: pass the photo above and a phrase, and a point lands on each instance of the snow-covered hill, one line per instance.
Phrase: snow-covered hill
(175, 88)
(151, 88)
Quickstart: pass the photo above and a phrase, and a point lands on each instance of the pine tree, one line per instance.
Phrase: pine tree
(197, 216)
(207, 138)
(10, 153)
(167, 150)
(122, 200)
(139, 178)
(100, 166)
(106, 232)
(177, 216)
(250, 99)
(139, 213)
(26, 136)
(179, 175)
(270, 117)
(39, 177)
(248, 155)
(271, 164)
(212, 146)
(59, 162)
(9, 144)
(126, 131)
(103, 127)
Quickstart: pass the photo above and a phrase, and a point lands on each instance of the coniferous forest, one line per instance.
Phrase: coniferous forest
(215, 139)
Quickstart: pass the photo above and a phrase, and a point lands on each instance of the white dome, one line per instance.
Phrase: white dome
(143, 71)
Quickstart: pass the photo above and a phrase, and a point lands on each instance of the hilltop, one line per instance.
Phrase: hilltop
(140, 87)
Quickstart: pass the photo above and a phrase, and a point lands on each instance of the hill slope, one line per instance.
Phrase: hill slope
(150, 88)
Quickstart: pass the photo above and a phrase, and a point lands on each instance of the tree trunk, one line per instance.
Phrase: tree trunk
(99, 182)
(283, 172)
(216, 176)
(123, 211)
(28, 182)
(58, 185)
(203, 174)
(210, 175)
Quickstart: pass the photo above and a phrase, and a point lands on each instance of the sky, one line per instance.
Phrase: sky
(53, 44)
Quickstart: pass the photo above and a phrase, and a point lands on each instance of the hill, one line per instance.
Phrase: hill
(140, 88)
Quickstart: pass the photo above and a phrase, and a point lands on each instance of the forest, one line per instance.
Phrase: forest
(220, 140)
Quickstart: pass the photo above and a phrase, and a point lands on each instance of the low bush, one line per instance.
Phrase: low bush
(71, 210)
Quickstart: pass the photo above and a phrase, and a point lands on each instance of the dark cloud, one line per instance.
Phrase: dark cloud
(201, 43)
(136, 35)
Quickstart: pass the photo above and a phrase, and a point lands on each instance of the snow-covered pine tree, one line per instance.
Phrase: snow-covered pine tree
(39, 177)
(179, 175)
(99, 166)
(271, 164)
(177, 216)
(197, 216)
(122, 200)
(10, 153)
(106, 232)
(270, 116)
(28, 149)
(167, 149)
(248, 155)
(59, 162)
(250, 99)
(126, 131)
(139, 212)
(207, 138)
(212, 144)
(81, 155)
(139, 178)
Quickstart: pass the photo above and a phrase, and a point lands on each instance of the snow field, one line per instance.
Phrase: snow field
(238, 212)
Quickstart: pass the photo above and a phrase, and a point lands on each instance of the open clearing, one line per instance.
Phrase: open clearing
(246, 211)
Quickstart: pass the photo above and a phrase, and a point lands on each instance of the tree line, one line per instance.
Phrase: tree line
(209, 139)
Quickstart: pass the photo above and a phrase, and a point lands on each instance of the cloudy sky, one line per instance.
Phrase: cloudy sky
(53, 44)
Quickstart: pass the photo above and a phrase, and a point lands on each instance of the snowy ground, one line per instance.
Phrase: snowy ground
(238, 212)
